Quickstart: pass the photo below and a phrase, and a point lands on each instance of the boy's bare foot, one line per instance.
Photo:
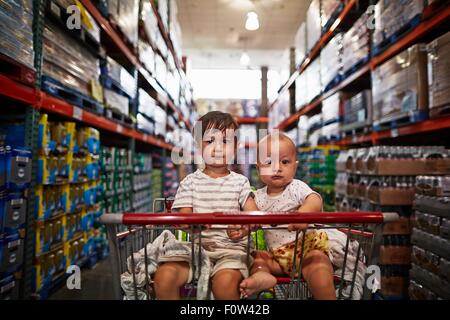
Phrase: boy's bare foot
(257, 282)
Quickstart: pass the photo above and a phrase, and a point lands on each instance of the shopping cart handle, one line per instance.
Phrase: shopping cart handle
(252, 217)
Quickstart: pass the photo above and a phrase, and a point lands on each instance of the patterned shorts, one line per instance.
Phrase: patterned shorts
(314, 240)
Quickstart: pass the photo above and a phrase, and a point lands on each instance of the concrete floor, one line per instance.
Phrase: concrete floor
(96, 284)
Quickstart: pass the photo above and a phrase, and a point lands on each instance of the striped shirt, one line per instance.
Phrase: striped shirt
(206, 195)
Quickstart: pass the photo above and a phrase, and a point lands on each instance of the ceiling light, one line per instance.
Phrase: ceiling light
(252, 22)
(245, 59)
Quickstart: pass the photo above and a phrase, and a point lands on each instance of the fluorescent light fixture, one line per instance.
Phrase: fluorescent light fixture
(252, 22)
(245, 59)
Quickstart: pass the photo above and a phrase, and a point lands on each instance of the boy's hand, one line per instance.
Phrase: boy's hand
(236, 232)
(297, 226)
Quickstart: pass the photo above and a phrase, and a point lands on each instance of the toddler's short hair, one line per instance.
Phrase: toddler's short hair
(217, 120)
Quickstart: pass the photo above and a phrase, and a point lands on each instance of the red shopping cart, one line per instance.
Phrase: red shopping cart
(362, 232)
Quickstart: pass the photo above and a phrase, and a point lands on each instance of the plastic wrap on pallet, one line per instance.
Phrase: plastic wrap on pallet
(313, 25)
(358, 109)
(87, 21)
(147, 56)
(300, 44)
(163, 10)
(16, 34)
(116, 101)
(302, 130)
(331, 108)
(315, 122)
(313, 79)
(150, 21)
(301, 91)
(68, 61)
(399, 86)
(145, 124)
(439, 71)
(146, 104)
(160, 121)
(125, 13)
(331, 60)
(391, 16)
(119, 74)
(327, 9)
(160, 70)
(356, 43)
(330, 132)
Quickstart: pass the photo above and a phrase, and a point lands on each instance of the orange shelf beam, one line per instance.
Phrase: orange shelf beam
(252, 120)
(106, 26)
(416, 128)
(11, 89)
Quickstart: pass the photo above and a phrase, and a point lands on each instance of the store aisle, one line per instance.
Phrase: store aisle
(96, 284)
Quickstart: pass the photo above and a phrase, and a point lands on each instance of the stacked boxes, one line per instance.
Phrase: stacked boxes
(125, 14)
(328, 8)
(119, 86)
(116, 179)
(15, 177)
(16, 33)
(317, 168)
(314, 80)
(399, 86)
(313, 24)
(356, 44)
(300, 44)
(383, 179)
(357, 110)
(439, 73)
(331, 62)
(430, 272)
(66, 199)
(146, 112)
(142, 182)
(392, 16)
(69, 62)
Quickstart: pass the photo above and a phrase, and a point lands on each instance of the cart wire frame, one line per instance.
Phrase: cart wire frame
(131, 232)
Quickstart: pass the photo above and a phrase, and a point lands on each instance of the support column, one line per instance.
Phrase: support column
(264, 101)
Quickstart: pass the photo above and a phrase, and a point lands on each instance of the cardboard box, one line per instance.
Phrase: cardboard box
(391, 196)
(399, 227)
(399, 255)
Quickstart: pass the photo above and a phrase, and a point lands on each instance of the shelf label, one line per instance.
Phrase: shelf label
(55, 9)
(77, 113)
(119, 128)
(145, 137)
(394, 133)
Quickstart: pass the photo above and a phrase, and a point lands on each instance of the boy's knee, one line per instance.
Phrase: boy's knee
(227, 277)
(167, 275)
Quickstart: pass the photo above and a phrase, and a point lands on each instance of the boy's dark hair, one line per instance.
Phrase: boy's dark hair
(217, 120)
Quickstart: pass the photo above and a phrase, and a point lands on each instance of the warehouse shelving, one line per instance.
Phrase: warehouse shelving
(420, 32)
(416, 128)
(43, 101)
(314, 53)
(162, 95)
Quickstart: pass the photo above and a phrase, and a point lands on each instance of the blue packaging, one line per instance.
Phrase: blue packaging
(18, 168)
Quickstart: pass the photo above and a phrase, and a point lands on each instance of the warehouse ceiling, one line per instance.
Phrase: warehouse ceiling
(216, 28)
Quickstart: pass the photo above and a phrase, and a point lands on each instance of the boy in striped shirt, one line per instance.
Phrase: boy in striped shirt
(213, 189)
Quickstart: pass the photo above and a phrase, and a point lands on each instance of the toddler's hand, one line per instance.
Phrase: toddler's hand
(236, 232)
(297, 226)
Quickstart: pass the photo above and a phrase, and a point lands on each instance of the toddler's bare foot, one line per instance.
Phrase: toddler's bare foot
(257, 282)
